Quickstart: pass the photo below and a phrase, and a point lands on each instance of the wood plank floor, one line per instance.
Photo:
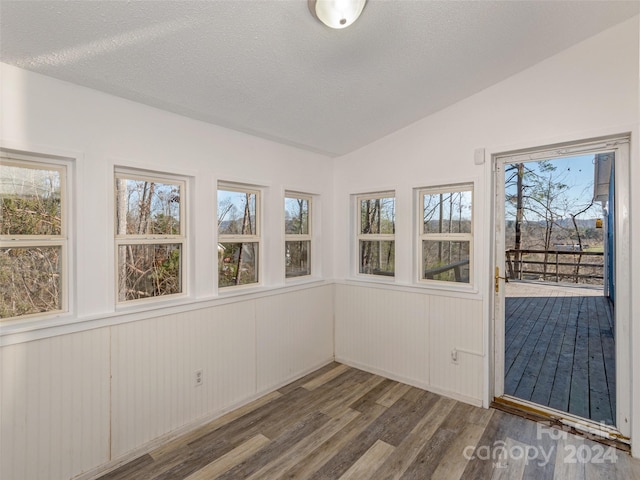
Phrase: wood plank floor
(559, 349)
(341, 423)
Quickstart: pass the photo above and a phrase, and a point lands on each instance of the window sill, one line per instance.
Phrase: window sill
(457, 291)
(301, 280)
(24, 330)
(379, 279)
(447, 286)
(152, 303)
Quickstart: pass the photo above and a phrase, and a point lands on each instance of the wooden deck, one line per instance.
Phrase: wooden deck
(559, 348)
(340, 423)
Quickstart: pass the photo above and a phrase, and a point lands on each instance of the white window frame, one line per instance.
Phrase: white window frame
(152, 239)
(35, 241)
(373, 237)
(301, 237)
(239, 238)
(444, 237)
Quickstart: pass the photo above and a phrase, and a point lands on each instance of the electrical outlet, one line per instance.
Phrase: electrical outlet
(454, 356)
(198, 378)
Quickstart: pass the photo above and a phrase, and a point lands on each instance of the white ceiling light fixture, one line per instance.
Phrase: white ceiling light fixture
(336, 13)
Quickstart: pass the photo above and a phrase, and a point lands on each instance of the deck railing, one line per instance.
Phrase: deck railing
(459, 269)
(556, 265)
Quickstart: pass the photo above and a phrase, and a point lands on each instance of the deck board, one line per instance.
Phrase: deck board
(560, 350)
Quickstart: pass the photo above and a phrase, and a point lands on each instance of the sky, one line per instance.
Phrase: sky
(578, 174)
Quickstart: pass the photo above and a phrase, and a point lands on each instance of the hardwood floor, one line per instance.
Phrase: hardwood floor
(560, 349)
(343, 423)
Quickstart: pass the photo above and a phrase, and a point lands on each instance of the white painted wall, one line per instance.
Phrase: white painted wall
(83, 390)
(635, 278)
(75, 398)
(100, 131)
(587, 91)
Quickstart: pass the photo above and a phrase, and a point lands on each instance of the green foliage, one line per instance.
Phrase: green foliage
(29, 281)
(166, 275)
(29, 277)
(237, 264)
(149, 271)
(30, 215)
(165, 225)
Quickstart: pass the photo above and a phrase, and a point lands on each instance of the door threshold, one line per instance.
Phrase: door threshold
(596, 431)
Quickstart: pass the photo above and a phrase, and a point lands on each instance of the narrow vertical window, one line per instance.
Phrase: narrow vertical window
(33, 238)
(238, 235)
(446, 233)
(297, 230)
(150, 235)
(376, 234)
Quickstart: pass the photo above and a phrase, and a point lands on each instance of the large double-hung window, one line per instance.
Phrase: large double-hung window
(238, 234)
(446, 233)
(34, 223)
(297, 229)
(150, 235)
(376, 234)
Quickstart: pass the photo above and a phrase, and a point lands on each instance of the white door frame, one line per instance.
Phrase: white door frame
(620, 146)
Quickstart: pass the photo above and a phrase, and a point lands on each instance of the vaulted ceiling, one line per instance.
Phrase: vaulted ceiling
(268, 68)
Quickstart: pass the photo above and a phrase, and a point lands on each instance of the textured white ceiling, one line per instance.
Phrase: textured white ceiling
(268, 68)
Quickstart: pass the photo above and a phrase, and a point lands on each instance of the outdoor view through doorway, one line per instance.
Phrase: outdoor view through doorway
(559, 348)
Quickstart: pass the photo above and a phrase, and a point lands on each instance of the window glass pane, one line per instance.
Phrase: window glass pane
(448, 212)
(149, 270)
(147, 208)
(446, 260)
(31, 201)
(297, 259)
(237, 263)
(30, 280)
(296, 211)
(378, 216)
(377, 257)
(236, 213)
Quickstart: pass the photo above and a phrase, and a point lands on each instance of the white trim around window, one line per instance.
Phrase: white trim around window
(298, 210)
(445, 235)
(150, 235)
(239, 235)
(35, 246)
(375, 235)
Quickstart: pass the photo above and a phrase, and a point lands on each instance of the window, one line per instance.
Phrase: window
(33, 238)
(297, 232)
(238, 235)
(150, 235)
(446, 233)
(376, 234)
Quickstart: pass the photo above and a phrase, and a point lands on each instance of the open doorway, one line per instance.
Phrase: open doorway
(556, 329)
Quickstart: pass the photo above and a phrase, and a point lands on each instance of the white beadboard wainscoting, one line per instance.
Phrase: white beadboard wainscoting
(82, 402)
(55, 406)
(409, 336)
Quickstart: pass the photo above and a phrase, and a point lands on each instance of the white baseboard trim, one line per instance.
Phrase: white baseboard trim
(476, 402)
(167, 437)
